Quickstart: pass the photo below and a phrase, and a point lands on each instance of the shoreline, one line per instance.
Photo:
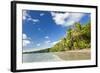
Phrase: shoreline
(84, 54)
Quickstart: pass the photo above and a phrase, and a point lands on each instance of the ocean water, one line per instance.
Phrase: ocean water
(40, 57)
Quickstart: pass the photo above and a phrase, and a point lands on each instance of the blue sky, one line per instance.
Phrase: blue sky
(43, 29)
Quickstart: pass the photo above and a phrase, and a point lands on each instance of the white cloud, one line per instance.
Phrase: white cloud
(59, 18)
(26, 40)
(38, 44)
(35, 20)
(28, 17)
(24, 36)
(55, 42)
(46, 37)
(25, 15)
(41, 14)
(48, 42)
(66, 19)
(74, 17)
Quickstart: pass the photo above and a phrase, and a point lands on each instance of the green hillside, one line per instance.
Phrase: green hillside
(77, 37)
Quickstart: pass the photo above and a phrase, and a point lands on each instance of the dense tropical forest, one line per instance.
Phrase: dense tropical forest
(77, 37)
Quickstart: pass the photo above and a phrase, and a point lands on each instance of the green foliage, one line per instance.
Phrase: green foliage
(78, 37)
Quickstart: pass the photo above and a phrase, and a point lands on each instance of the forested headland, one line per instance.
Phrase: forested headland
(77, 37)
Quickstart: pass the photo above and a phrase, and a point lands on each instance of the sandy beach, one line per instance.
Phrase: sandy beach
(84, 54)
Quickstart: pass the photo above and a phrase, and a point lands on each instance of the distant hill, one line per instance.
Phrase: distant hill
(38, 51)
